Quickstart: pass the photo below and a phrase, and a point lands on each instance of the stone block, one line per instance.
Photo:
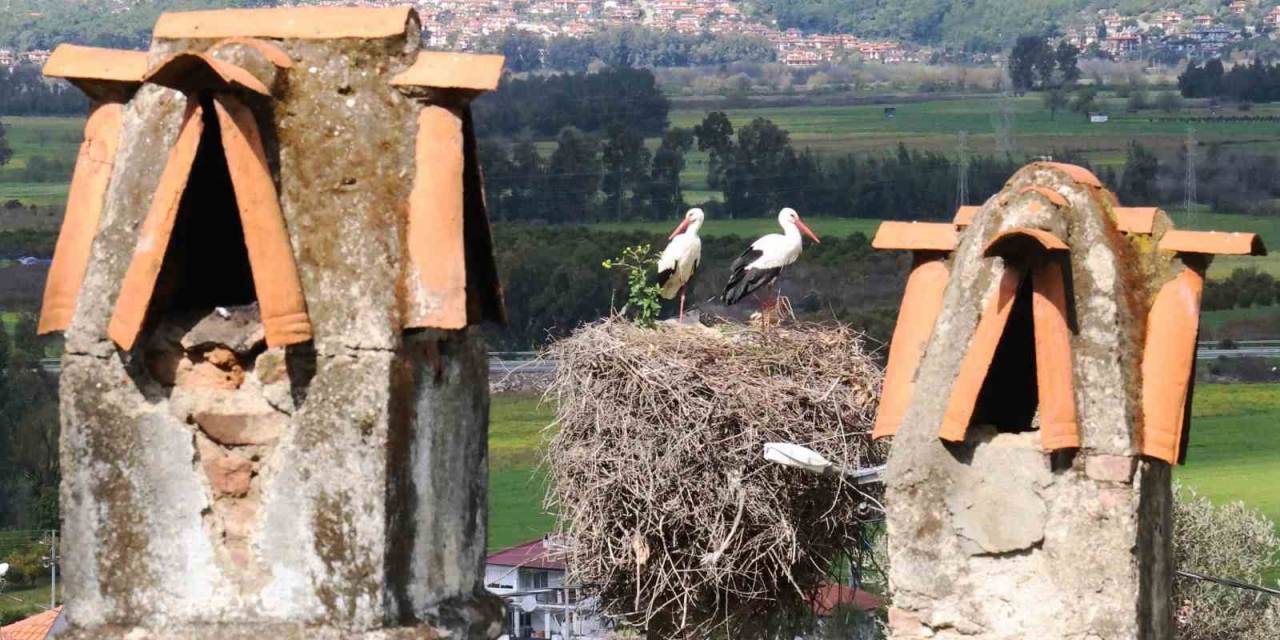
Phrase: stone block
(1109, 468)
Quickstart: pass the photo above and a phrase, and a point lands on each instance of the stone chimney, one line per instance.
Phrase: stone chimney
(1038, 390)
(274, 396)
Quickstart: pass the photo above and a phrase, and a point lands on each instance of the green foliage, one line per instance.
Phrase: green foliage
(638, 263)
(590, 102)
(27, 564)
(6, 152)
(1228, 541)
(1243, 289)
(626, 46)
(1254, 82)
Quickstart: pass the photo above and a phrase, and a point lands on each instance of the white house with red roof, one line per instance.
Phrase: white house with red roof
(531, 579)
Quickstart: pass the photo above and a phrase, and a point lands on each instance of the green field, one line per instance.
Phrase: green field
(750, 227)
(20, 603)
(53, 138)
(1234, 454)
(934, 125)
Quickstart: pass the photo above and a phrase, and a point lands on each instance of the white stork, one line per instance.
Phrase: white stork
(761, 264)
(680, 259)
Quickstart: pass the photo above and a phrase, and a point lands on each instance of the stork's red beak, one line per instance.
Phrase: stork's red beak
(807, 231)
(684, 224)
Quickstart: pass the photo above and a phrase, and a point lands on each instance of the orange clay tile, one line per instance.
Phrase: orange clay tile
(269, 50)
(1168, 363)
(1077, 173)
(1049, 194)
(435, 282)
(1213, 242)
(1136, 219)
(921, 304)
(966, 214)
(75, 62)
(103, 74)
(1021, 239)
(153, 238)
(275, 275)
(977, 359)
(291, 22)
(1059, 428)
(189, 72)
(80, 223)
(918, 236)
(448, 70)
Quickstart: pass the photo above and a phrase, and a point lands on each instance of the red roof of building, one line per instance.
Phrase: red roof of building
(34, 628)
(832, 595)
(530, 555)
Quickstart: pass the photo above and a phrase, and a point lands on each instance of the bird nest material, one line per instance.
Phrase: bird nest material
(667, 510)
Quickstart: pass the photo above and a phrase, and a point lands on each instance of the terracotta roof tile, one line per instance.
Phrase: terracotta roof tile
(269, 50)
(75, 62)
(447, 70)
(287, 22)
(1077, 173)
(34, 628)
(531, 555)
(830, 595)
(1048, 194)
(1213, 242)
(197, 71)
(1136, 219)
(930, 236)
(966, 214)
(1015, 240)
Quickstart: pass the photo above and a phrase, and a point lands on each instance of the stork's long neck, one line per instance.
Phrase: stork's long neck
(694, 227)
(790, 230)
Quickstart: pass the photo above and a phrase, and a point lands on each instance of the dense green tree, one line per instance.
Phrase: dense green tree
(665, 197)
(715, 138)
(6, 152)
(573, 177)
(1055, 100)
(1068, 58)
(523, 50)
(1022, 62)
(590, 102)
(756, 180)
(1138, 182)
(625, 162)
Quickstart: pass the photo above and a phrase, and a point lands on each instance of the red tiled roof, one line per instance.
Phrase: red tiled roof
(34, 628)
(832, 595)
(530, 555)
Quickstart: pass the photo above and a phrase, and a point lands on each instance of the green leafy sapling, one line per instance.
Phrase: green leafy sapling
(642, 295)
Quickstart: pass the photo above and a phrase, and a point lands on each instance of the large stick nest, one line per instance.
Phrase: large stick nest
(667, 510)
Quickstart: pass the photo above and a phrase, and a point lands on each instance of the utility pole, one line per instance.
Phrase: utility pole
(1189, 185)
(53, 568)
(962, 169)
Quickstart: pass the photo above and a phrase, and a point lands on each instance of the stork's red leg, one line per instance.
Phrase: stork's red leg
(682, 290)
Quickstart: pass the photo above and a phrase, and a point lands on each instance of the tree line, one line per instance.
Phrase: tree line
(543, 105)
(28, 429)
(755, 168)
(25, 92)
(625, 46)
(1253, 82)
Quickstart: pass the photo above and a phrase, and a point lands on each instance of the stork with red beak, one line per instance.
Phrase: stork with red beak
(680, 259)
(762, 263)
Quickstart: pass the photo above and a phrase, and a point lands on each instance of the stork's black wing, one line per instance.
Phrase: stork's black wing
(743, 280)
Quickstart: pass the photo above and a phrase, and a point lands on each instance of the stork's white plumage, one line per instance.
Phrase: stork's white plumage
(679, 260)
(760, 265)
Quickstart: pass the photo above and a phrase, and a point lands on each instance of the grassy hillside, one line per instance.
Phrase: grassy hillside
(1234, 455)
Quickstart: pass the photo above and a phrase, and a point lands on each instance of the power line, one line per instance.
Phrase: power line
(1228, 582)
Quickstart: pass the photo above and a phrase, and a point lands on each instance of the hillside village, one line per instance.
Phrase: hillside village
(468, 24)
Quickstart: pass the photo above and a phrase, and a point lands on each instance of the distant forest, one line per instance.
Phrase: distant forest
(43, 24)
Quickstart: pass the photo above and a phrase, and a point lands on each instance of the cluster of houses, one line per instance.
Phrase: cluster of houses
(1196, 36)
(464, 24)
(9, 57)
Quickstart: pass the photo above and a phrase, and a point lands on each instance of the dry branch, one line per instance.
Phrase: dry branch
(667, 510)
